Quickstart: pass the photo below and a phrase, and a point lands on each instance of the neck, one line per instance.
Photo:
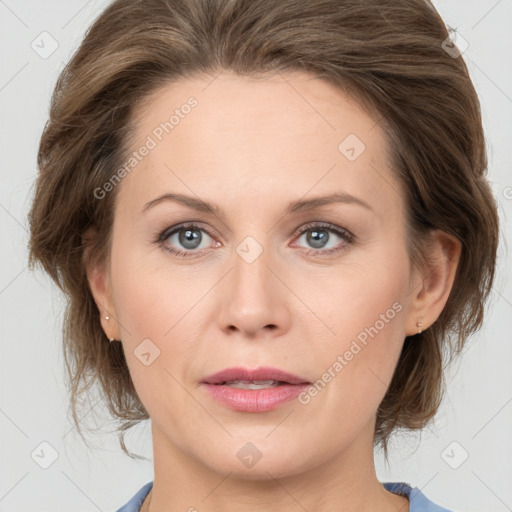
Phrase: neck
(346, 482)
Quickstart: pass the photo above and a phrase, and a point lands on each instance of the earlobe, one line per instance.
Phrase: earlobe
(98, 279)
(435, 282)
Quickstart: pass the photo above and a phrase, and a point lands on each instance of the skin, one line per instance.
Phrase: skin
(251, 146)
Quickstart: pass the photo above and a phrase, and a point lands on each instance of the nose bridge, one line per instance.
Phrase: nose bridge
(251, 275)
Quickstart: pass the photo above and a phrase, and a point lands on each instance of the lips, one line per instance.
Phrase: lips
(254, 391)
(258, 375)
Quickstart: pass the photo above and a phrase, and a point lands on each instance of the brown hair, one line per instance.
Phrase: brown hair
(387, 55)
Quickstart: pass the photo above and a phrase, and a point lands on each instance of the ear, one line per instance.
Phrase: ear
(432, 285)
(99, 284)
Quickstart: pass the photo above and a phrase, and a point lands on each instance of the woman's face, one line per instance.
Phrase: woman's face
(320, 290)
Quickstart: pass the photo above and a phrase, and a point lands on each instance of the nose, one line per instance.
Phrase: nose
(254, 302)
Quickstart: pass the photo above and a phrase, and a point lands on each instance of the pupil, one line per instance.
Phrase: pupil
(317, 238)
(188, 238)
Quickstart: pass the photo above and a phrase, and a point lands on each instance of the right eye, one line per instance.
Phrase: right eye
(183, 240)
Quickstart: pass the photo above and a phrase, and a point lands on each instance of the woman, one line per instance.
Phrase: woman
(273, 225)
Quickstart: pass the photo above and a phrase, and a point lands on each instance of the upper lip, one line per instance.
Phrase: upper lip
(247, 374)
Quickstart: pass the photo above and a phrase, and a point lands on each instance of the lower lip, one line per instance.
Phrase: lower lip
(254, 400)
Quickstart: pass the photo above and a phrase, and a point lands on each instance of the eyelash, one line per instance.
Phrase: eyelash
(346, 235)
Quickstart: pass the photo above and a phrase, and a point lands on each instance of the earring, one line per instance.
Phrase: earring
(418, 325)
(109, 339)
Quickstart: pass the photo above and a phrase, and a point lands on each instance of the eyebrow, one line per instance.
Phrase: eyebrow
(293, 207)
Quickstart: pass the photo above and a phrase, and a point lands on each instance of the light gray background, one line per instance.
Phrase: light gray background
(477, 411)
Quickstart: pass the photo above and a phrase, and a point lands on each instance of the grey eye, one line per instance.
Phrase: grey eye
(190, 238)
(317, 238)
(186, 237)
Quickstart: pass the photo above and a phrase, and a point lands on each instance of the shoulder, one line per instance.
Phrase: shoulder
(134, 504)
(418, 501)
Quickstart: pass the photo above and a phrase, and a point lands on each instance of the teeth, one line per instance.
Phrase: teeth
(255, 384)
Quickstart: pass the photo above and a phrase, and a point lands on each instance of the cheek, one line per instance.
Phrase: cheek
(152, 299)
(365, 309)
(157, 309)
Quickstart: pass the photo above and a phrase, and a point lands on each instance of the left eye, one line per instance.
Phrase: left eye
(318, 235)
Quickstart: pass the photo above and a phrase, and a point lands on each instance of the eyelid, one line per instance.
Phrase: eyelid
(166, 233)
(343, 232)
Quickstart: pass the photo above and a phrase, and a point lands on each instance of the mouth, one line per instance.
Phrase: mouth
(259, 390)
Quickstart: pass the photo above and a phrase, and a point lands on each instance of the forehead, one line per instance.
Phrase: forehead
(289, 131)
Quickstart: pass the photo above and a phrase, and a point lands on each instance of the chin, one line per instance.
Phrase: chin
(253, 461)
